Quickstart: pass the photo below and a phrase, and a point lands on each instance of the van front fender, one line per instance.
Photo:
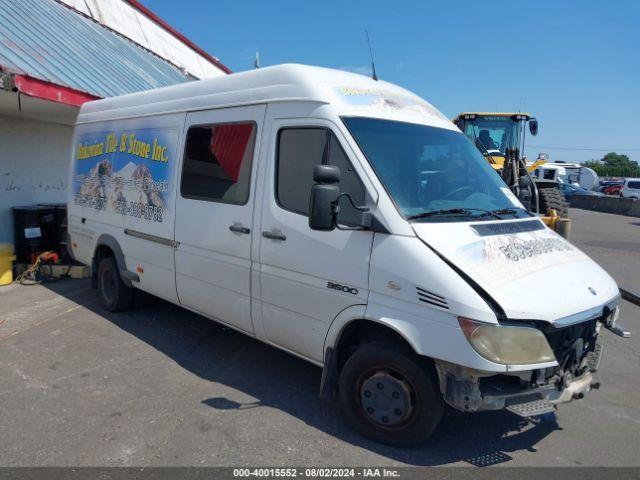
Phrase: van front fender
(359, 312)
(330, 373)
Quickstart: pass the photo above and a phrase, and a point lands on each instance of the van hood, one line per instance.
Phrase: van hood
(529, 270)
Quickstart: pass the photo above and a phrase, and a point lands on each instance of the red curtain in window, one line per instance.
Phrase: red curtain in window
(228, 144)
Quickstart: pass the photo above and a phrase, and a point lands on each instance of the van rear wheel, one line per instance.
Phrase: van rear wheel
(387, 395)
(114, 294)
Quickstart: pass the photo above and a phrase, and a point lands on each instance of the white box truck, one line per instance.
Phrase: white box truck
(348, 222)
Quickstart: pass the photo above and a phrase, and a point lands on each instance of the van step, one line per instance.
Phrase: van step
(532, 408)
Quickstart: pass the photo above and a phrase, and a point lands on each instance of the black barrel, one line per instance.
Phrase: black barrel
(60, 219)
(34, 231)
(62, 234)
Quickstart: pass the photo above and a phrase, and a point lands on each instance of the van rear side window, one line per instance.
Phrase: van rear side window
(217, 162)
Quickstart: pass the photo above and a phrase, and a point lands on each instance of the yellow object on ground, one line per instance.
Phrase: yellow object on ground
(6, 263)
(551, 219)
(562, 226)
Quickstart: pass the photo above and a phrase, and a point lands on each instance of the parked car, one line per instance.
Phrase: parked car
(614, 189)
(570, 191)
(631, 188)
(605, 184)
(348, 222)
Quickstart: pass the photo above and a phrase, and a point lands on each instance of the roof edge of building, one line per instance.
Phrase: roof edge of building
(159, 21)
(151, 52)
(44, 90)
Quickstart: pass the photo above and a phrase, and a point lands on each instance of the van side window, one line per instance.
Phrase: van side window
(301, 149)
(217, 162)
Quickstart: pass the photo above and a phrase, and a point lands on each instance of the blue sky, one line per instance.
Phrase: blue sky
(575, 65)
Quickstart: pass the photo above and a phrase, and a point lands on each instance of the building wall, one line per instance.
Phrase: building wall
(34, 159)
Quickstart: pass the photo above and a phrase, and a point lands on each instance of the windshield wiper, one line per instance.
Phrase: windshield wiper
(509, 211)
(454, 211)
(469, 212)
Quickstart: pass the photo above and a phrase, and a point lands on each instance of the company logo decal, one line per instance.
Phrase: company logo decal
(127, 173)
(492, 258)
(521, 249)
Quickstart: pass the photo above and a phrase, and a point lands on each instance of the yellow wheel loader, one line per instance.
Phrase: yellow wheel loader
(500, 138)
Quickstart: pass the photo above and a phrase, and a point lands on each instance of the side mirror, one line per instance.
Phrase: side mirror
(533, 127)
(326, 174)
(324, 195)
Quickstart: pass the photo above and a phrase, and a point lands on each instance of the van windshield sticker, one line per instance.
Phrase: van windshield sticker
(127, 172)
(379, 99)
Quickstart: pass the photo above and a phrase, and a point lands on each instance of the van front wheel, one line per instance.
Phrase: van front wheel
(114, 294)
(387, 395)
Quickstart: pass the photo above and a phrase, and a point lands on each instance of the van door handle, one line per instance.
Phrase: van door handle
(236, 227)
(274, 235)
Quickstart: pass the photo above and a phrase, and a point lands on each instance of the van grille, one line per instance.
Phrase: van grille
(431, 298)
(561, 339)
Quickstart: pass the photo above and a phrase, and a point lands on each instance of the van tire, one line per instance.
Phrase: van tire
(114, 294)
(403, 380)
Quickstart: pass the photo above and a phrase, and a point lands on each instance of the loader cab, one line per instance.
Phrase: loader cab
(500, 138)
(495, 133)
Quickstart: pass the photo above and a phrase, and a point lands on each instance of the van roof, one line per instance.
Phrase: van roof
(287, 82)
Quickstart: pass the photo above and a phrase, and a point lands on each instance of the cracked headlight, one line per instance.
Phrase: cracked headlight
(507, 344)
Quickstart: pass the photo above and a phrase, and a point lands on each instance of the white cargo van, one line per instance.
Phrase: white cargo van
(347, 221)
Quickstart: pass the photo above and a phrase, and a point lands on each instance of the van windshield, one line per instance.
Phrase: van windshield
(433, 174)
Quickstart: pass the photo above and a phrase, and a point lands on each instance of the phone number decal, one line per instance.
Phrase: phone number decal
(122, 207)
(139, 210)
(91, 201)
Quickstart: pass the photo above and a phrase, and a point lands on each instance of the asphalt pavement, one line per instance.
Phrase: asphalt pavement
(158, 385)
(611, 240)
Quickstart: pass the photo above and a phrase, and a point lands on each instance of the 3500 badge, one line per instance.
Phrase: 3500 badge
(342, 288)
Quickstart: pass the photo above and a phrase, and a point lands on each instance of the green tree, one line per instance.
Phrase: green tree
(614, 165)
(613, 159)
(593, 164)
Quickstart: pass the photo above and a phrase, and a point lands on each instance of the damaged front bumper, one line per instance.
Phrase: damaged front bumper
(578, 349)
(471, 390)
